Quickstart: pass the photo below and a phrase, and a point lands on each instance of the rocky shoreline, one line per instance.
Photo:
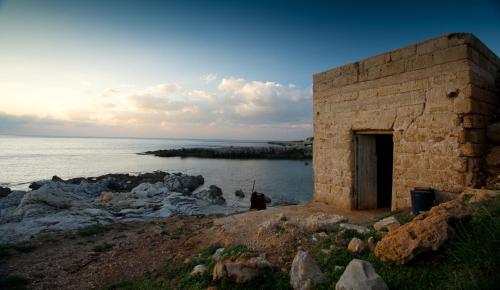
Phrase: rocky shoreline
(286, 150)
(58, 205)
(281, 150)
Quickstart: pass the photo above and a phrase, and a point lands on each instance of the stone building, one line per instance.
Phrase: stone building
(412, 117)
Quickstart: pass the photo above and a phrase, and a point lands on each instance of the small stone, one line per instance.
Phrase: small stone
(325, 251)
(305, 272)
(239, 193)
(324, 222)
(217, 256)
(219, 271)
(389, 223)
(319, 236)
(357, 228)
(338, 268)
(356, 246)
(360, 274)
(199, 269)
(371, 244)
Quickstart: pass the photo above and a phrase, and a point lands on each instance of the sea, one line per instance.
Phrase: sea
(27, 159)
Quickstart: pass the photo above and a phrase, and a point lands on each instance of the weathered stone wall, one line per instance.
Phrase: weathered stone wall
(436, 97)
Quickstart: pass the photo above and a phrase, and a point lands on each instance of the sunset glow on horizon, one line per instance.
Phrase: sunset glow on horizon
(192, 69)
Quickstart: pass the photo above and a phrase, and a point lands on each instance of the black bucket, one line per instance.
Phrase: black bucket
(422, 199)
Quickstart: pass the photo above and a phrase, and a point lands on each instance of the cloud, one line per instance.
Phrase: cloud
(234, 108)
(208, 78)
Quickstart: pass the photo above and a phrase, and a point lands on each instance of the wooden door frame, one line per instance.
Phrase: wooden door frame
(354, 196)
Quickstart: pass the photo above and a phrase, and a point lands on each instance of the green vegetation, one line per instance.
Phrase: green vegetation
(93, 230)
(471, 260)
(403, 219)
(7, 250)
(177, 276)
(13, 283)
(103, 247)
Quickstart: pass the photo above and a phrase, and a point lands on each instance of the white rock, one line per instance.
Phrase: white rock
(389, 223)
(360, 275)
(199, 270)
(219, 271)
(324, 222)
(357, 228)
(305, 272)
(217, 256)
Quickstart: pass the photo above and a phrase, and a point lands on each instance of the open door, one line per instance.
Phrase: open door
(366, 172)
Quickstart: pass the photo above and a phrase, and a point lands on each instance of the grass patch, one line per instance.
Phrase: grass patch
(7, 250)
(177, 276)
(93, 230)
(406, 218)
(14, 283)
(234, 252)
(103, 247)
(470, 260)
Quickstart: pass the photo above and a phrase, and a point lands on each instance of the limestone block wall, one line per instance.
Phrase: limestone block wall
(436, 97)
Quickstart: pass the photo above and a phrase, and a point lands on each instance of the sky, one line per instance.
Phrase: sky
(198, 69)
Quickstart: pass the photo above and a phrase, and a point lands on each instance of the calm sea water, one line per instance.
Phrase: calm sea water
(27, 159)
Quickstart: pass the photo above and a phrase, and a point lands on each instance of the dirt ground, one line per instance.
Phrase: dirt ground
(130, 250)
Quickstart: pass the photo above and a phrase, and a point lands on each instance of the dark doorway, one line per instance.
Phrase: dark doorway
(373, 166)
(384, 169)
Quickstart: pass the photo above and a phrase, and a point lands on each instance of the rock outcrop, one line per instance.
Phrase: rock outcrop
(360, 275)
(271, 152)
(58, 205)
(426, 232)
(4, 191)
(213, 195)
(305, 272)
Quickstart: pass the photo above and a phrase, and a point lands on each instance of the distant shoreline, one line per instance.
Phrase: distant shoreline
(292, 150)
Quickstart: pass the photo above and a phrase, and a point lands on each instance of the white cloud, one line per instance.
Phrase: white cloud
(234, 108)
(208, 78)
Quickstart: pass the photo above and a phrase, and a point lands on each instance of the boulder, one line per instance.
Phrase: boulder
(478, 195)
(183, 183)
(389, 223)
(146, 189)
(199, 270)
(4, 191)
(324, 222)
(426, 232)
(219, 271)
(43, 200)
(213, 195)
(360, 275)
(239, 193)
(305, 272)
(353, 227)
(371, 243)
(57, 178)
(493, 132)
(242, 270)
(356, 246)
